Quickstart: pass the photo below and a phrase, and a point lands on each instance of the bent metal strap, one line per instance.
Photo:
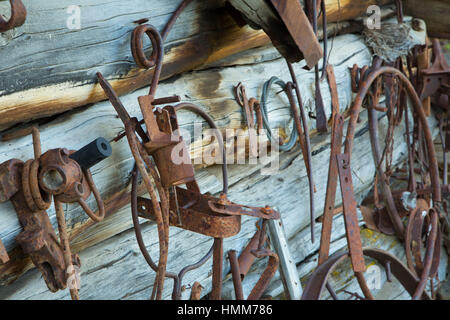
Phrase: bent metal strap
(265, 116)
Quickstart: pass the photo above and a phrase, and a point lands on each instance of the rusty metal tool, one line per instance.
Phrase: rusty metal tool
(328, 213)
(305, 142)
(319, 279)
(250, 106)
(254, 250)
(31, 185)
(17, 18)
(413, 240)
(336, 146)
(162, 174)
(436, 79)
(350, 216)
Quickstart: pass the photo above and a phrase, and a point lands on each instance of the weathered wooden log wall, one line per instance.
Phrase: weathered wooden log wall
(43, 78)
(112, 266)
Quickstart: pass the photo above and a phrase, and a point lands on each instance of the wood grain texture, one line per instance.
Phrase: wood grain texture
(434, 12)
(54, 68)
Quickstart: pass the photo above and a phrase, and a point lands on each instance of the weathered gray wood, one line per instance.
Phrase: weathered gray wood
(47, 68)
(112, 266)
(287, 268)
(53, 67)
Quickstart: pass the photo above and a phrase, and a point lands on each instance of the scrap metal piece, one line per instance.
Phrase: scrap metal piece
(246, 258)
(250, 106)
(196, 291)
(254, 248)
(437, 77)
(4, 257)
(330, 196)
(29, 186)
(17, 18)
(267, 275)
(216, 291)
(319, 279)
(288, 27)
(195, 215)
(352, 230)
(236, 275)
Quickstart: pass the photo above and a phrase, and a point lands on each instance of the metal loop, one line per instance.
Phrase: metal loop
(18, 16)
(157, 54)
(101, 207)
(294, 134)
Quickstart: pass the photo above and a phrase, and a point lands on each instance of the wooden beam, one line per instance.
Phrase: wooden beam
(54, 68)
(434, 12)
(287, 268)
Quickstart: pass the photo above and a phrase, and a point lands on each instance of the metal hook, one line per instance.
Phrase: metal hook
(18, 16)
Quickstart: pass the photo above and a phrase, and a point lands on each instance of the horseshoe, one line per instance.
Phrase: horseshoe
(18, 16)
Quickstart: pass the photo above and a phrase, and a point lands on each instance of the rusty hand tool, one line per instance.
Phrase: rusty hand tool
(413, 241)
(184, 208)
(305, 142)
(31, 185)
(336, 146)
(250, 105)
(239, 267)
(352, 231)
(18, 16)
(328, 213)
(436, 79)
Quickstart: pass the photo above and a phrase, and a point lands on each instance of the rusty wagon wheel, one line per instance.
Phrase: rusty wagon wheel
(386, 191)
(420, 160)
(406, 277)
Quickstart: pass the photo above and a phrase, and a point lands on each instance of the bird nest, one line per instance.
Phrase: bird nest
(390, 41)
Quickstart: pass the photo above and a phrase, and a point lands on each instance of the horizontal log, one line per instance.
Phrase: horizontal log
(54, 68)
(434, 13)
(40, 81)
